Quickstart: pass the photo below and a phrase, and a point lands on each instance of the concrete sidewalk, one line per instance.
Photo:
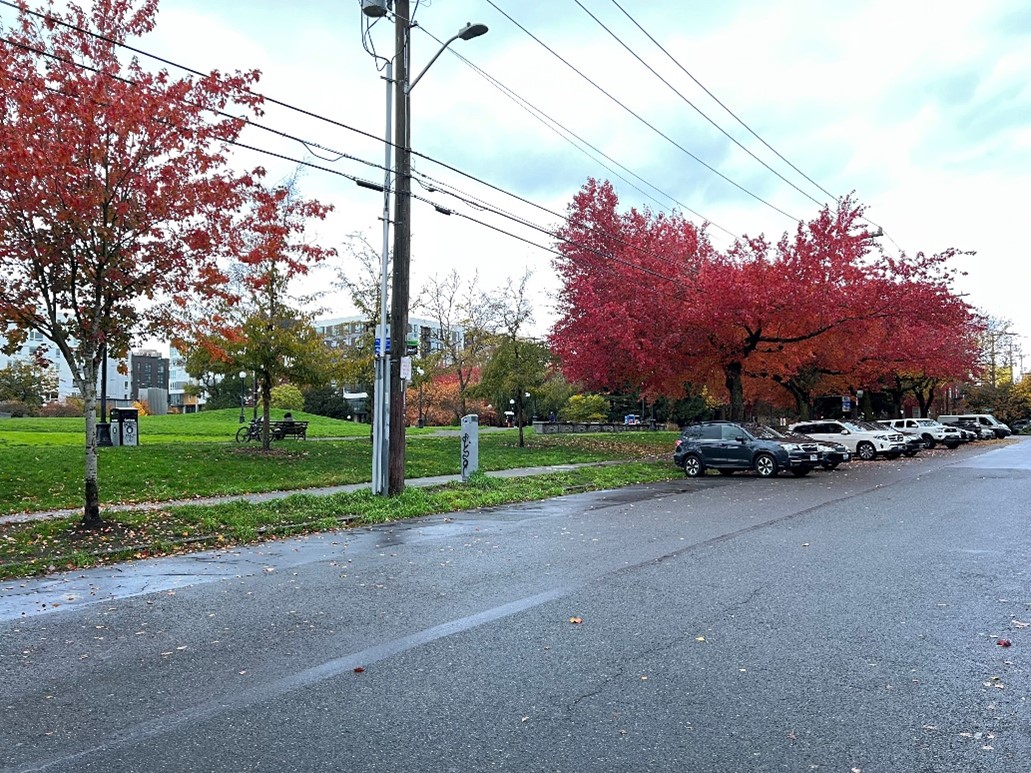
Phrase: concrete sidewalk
(270, 496)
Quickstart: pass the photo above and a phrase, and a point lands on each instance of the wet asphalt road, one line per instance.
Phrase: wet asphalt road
(843, 621)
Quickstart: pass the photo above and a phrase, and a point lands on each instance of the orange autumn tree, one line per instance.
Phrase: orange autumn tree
(116, 194)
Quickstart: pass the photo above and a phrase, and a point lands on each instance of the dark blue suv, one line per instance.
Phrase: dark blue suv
(727, 447)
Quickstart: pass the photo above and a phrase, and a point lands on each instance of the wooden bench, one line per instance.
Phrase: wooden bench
(285, 429)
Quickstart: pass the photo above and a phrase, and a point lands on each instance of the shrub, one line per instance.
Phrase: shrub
(142, 407)
(585, 408)
(16, 408)
(288, 397)
(67, 408)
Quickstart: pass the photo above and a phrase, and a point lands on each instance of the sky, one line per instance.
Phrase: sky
(923, 110)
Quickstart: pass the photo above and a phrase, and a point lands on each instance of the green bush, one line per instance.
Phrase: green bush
(16, 408)
(287, 397)
(585, 408)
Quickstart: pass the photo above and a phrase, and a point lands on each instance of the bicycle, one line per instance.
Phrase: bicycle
(251, 432)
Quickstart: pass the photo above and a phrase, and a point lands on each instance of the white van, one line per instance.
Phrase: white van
(980, 419)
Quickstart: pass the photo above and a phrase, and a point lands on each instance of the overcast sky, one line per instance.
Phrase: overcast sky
(923, 109)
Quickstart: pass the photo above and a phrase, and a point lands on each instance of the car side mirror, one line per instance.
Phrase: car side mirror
(844, 432)
(740, 438)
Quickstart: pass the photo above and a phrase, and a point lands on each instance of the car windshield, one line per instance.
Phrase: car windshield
(764, 432)
(868, 426)
(926, 422)
(859, 426)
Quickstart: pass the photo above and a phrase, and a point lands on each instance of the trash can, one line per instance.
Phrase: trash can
(125, 427)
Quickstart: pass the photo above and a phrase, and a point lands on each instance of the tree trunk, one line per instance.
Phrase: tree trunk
(735, 388)
(91, 511)
(266, 399)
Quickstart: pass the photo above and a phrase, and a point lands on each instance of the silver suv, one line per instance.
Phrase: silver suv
(931, 431)
(865, 443)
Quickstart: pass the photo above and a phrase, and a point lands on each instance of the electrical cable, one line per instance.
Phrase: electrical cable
(643, 120)
(697, 109)
(555, 126)
(734, 115)
(457, 193)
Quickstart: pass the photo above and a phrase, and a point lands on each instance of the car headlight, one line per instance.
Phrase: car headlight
(791, 446)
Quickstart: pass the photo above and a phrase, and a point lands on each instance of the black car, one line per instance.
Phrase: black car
(728, 446)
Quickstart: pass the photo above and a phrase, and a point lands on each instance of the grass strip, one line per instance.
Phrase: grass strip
(41, 547)
(38, 478)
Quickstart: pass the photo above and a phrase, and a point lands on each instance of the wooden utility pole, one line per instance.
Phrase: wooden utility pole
(402, 251)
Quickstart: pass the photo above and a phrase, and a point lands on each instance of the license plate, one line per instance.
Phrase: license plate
(813, 458)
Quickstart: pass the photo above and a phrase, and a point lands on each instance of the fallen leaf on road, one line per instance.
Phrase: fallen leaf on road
(576, 620)
(359, 669)
(1004, 643)
(1018, 624)
(699, 638)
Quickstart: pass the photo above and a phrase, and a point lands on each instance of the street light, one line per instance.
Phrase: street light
(243, 392)
(403, 235)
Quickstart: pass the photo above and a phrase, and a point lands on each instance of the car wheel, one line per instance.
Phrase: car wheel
(726, 472)
(892, 455)
(952, 445)
(765, 466)
(866, 451)
(801, 472)
(829, 465)
(912, 452)
(693, 466)
(929, 441)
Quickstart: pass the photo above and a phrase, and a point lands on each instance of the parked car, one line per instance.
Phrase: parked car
(931, 431)
(1020, 425)
(729, 446)
(865, 443)
(982, 419)
(974, 431)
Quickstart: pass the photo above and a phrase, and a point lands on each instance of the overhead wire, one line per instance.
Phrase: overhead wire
(643, 120)
(370, 184)
(455, 192)
(734, 115)
(552, 124)
(695, 107)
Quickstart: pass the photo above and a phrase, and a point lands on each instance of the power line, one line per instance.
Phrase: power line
(733, 114)
(552, 124)
(697, 109)
(462, 196)
(647, 123)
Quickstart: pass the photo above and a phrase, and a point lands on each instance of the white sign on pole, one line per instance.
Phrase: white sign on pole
(406, 368)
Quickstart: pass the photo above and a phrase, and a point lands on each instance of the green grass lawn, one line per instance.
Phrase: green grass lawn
(207, 426)
(191, 455)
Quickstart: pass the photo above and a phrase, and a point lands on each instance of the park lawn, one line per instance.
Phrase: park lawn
(211, 426)
(38, 478)
(40, 547)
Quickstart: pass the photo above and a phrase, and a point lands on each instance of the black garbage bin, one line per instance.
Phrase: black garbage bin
(125, 427)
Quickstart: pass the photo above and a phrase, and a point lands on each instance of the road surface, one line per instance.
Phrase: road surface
(844, 621)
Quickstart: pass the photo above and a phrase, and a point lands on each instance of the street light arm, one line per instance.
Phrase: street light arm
(468, 32)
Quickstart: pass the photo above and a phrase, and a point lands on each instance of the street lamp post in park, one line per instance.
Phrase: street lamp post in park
(403, 234)
(243, 392)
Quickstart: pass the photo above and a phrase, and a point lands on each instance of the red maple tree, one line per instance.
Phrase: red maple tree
(648, 303)
(117, 196)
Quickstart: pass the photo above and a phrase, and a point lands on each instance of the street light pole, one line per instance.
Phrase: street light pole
(243, 392)
(403, 233)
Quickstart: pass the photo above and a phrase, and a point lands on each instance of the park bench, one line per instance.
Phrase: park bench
(284, 429)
